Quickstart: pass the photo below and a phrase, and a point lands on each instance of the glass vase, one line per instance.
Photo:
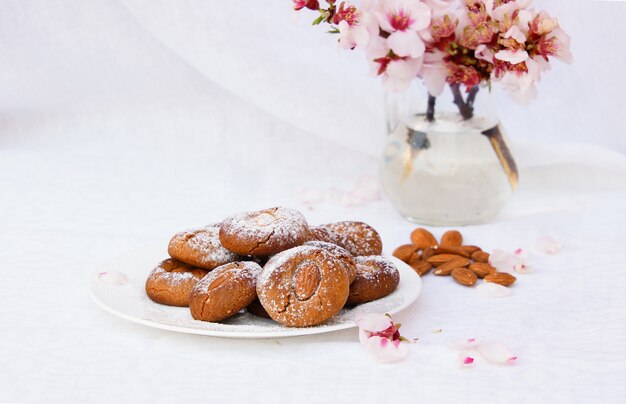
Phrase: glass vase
(446, 160)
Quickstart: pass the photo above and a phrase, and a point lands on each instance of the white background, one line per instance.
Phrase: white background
(82, 60)
(122, 122)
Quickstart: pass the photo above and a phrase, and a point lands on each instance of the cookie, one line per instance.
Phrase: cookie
(224, 291)
(171, 282)
(201, 247)
(264, 232)
(376, 277)
(256, 308)
(359, 238)
(303, 286)
(320, 233)
(341, 254)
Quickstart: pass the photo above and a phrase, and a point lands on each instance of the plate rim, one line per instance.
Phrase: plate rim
(295, 332)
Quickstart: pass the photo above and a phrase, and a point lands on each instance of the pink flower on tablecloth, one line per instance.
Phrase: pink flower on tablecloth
(380, 336)
(511, 262)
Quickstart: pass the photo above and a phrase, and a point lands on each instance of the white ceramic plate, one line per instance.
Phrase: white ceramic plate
(129, 301)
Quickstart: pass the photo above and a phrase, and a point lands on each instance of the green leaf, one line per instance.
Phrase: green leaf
(318, 20)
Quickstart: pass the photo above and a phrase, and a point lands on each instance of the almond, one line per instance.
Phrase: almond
(464, 276)
(422, 238)
(471, 248)
(404, 252)
(306, 281)
(429, 252)
(415, 257)
(452, 238)
(447, 268)
(452, 250)
(501, 278)
(482, 269)
(437, 260)
(421, 267)
(480, 256)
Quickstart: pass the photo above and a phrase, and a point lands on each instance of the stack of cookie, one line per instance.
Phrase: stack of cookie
(271, 263)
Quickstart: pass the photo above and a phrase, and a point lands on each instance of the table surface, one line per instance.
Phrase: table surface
(71, 204)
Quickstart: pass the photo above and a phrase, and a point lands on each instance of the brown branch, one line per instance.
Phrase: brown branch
(466, 112)
(430, 111)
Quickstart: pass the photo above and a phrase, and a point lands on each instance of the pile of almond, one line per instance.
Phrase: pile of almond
(449, 257)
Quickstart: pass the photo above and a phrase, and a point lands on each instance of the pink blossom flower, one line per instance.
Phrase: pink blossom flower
(434, 72)
(403, 19)
(543, 23)
(512, 56)
(396, 72)
(310, 4)
(380, 337)
(356, 27)
(557, 44)
(520, 80)
(482, 52)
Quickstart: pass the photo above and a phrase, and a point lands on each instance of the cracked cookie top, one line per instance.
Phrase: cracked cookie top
(359, 238)
(201, 247)
(346, 259)
(376, 277)
(303, 286)
(171, 282)
(224, 291)
(264, 232)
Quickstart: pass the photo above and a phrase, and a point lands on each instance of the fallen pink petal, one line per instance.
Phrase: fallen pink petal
(467, 359)
(549, 245)
(114, 278)
(497, 353)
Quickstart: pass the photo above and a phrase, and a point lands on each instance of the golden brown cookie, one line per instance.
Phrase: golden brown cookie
(359, 238)
(264, 232)
(257, 309)
(376, 277)
(171, 282)
(201, 247)
(224, 291)
(303, 286)
(320, 233)
(341, 254)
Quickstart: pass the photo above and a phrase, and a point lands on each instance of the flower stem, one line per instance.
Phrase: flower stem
(471, 97)
(430, 112)
(465, 111)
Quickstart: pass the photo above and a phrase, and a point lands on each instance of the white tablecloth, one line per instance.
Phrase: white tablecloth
(66, 210)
